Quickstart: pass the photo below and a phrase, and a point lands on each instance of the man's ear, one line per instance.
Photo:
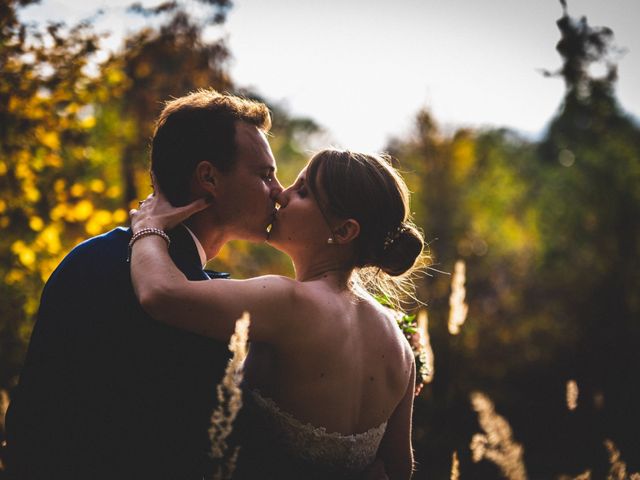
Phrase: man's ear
(206, 178)
(346, 232)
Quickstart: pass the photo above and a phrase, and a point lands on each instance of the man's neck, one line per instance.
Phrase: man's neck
(210, 241)
(201, 252)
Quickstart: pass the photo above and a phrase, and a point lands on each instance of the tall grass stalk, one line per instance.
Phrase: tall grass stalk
(455, 466)
(4, 404)
(572, 394)
(457, 308)
(496, 444)
(229, 400)
(617, 467)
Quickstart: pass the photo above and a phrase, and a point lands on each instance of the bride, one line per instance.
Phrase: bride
(339, 392)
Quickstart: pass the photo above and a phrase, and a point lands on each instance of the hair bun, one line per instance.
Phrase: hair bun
(401, 251)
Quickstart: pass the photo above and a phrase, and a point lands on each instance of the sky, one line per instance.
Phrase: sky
(362, 69)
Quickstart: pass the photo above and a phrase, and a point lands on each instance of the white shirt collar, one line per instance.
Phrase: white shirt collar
(203, 256)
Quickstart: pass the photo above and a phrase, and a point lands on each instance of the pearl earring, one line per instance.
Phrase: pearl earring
(330, 241)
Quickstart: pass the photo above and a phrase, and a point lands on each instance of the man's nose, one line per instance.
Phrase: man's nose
(283, 197)
(276, 190)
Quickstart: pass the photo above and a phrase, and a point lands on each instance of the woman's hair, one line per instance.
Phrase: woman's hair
(368, 189)
(199, 126)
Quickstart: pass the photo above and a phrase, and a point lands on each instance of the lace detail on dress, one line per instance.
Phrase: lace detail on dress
(331, 451)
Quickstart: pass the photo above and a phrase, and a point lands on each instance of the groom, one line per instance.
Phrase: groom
(107, 392)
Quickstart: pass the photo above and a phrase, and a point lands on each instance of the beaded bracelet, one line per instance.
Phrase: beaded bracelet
(143, 233)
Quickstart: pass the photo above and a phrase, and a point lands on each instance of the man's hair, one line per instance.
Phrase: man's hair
(199, 127)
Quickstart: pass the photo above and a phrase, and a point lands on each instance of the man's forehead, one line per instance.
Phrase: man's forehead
(253, 146)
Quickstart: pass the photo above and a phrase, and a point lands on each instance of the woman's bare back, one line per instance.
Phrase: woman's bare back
(345, 366)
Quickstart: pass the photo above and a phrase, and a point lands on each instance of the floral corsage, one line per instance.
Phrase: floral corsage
(418, 340)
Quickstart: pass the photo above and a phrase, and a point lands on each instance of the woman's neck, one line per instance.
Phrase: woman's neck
(329, 269)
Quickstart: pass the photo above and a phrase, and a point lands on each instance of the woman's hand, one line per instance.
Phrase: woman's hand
(156, 212)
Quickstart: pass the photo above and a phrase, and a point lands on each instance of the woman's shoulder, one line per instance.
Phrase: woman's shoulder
(389, 335)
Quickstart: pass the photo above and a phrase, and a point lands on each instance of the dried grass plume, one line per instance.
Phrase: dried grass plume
(458, 309)
(572, 394)
(617, 467)
(496, 444)
(229, 400)
(455, 466)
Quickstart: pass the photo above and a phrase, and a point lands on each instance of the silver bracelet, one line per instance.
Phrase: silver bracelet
(143, 232)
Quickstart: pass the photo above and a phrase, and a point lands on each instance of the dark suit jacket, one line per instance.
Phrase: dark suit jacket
(106, 391)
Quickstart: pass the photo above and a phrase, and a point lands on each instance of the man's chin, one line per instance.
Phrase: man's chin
(258, 237)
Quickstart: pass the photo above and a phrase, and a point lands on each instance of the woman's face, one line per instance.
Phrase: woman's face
(299, 223)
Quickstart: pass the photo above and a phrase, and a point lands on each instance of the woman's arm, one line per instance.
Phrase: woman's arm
(395, 449)
(208, 308)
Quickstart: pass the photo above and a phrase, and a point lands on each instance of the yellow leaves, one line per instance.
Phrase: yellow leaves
(3, 168)
(31, 193)
(72, 108)
(59, 185)
(14, 276)
(31, 306)
(23, 171)
(77, 190)
(14, 103)
(3, 206)
(120, 216)
(88, 122)
(59, 211)
(97, 185)
(98, 222)
(115, 76)
(46, 268)
(53, 160)
(113, 191)
(49, 239)
(36, 223)
(48, 138)
(82, 210)
(25, 255)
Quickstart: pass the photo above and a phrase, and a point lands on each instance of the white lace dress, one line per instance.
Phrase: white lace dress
(343, 456)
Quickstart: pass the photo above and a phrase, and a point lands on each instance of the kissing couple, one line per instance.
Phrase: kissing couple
(131, 336)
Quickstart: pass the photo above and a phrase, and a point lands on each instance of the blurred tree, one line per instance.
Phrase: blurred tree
(161, 62)
(550, 234)
(590, 223)
(471, 195)
(51, 188)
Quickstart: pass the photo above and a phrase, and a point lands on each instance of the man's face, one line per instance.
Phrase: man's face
(245, 199)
